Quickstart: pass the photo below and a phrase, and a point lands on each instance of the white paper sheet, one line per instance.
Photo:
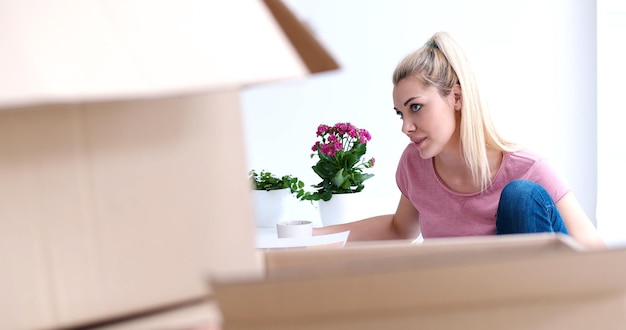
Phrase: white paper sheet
(330, 240)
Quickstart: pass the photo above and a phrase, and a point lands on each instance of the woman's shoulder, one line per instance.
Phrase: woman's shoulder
(527, 164)
(522, 161)
(523, 156)
(527, 161)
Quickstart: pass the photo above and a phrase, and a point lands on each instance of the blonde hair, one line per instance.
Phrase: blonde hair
(441, 63)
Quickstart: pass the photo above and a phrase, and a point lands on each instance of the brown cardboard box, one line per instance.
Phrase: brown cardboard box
(193, 316)
(509, 282)
(122, 176)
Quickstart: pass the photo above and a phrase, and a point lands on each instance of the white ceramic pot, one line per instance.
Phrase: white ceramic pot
(294, 228)
(270, 207)
(341, 208)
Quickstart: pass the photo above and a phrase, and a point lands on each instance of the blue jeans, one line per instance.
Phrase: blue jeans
(526, 207)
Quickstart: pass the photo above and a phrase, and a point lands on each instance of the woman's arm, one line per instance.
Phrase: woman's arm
(578, 224)
(404, 224)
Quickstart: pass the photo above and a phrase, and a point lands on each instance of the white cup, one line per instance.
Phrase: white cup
(294, 228)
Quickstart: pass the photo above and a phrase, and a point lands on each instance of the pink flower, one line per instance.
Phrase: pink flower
(321, 129)
(328, 149)
(352, 132)
(371, 162)
(364, 136)
(340, 128)
(338, 145)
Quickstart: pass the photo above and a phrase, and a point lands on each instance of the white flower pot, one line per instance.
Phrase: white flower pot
(341, 208)
(270, 207)
(294, 228)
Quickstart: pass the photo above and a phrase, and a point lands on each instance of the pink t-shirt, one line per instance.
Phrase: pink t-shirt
(446, 213)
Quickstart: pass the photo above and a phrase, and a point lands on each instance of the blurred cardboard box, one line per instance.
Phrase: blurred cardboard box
(122, 177)
(517, 282)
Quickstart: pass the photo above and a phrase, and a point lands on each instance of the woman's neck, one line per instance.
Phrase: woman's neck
(454, 172)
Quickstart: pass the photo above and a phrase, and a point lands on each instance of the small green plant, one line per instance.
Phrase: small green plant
(266, 180)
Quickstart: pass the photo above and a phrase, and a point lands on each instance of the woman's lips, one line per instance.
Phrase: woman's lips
(418, 141)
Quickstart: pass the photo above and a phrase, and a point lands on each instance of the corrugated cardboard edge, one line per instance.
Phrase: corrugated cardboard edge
(313, 54)
(442, 251)
(401, 284)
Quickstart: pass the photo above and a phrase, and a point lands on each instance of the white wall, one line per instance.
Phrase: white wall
(535, 58)
(611, 146)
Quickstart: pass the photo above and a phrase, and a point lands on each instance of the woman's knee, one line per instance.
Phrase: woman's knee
(521, 189)
(525, 206)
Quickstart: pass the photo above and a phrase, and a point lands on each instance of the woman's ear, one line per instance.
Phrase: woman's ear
(458, 97)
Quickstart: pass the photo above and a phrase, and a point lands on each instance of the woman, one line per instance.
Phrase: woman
(458, 177)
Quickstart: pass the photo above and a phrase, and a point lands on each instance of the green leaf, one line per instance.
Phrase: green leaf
(326, 196)
(339, 178)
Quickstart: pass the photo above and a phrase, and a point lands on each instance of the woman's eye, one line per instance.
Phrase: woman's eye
(416, 107)
(399, 113)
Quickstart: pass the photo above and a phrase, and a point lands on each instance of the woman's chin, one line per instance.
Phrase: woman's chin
(424, 154)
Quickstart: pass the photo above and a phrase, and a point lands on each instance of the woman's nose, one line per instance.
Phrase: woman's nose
(408, 126)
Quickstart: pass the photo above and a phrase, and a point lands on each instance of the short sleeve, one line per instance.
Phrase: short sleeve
(545, 175)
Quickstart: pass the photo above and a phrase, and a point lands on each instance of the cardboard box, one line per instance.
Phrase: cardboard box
(122, 178)
(203, 315)
(503, 282)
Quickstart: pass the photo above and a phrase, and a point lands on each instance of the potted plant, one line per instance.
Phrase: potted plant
(271, 194)
(340, 150)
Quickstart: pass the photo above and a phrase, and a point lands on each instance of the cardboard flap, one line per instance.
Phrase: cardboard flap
(356, 257)
(413, 284)
(311, 51)
(98, 50)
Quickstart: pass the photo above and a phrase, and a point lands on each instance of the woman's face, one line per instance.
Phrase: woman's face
(428, 118)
